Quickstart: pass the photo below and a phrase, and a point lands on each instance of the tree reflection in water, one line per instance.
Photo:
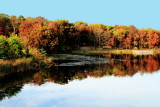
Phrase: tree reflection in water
(11, 83)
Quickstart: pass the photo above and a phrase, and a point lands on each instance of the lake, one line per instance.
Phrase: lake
(85, 81)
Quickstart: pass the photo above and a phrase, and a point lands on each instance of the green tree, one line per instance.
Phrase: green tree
(11, 47)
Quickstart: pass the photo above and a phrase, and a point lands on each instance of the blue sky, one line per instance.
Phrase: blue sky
(141, 13)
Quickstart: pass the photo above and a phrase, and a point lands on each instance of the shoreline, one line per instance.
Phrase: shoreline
(117, 51)
(48, 60)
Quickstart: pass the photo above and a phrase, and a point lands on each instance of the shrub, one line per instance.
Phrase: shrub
(15, 47)
(10, 48)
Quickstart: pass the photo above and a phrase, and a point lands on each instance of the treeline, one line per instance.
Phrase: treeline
(62, 36)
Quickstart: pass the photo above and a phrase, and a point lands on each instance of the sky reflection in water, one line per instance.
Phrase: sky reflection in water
(138, 91)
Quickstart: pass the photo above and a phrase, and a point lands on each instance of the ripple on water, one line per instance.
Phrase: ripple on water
(80, 60)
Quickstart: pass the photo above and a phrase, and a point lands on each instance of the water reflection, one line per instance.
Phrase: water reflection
(11, 82)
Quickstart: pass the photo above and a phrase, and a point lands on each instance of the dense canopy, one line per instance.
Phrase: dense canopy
(62, 36)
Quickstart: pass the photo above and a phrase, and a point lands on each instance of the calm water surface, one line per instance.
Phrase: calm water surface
(86, 81)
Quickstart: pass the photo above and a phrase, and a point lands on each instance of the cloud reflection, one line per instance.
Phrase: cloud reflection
(107, 91)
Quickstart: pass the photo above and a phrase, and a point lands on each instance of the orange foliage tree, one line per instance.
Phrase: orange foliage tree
(37, 35)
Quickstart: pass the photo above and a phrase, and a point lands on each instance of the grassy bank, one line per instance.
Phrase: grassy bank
(36, 61)
(23, 64)
(116, 51)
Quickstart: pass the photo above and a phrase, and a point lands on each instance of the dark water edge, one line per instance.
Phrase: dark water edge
(70, 68)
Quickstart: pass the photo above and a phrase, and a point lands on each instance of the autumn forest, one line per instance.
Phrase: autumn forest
(57, 36)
